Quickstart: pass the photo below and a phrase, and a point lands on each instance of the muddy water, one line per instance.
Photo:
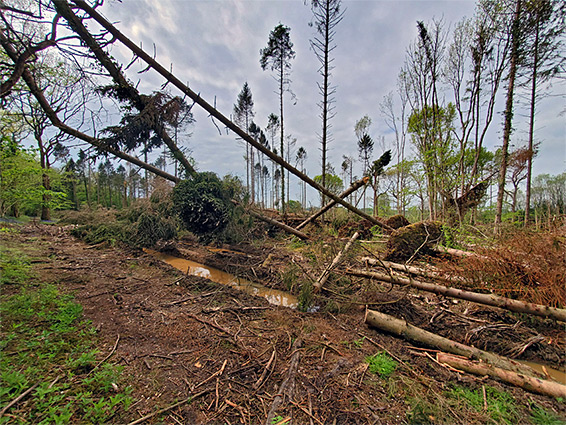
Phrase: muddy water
(196, 269)
(555, 374)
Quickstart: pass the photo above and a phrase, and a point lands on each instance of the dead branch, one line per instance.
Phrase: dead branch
(268, 369)
(288, 385)
(324, 276)
(401, 328)
(166, 409)
(485, 299)
(353, 187)
(217, 114)
(529, 383)
(18, 398)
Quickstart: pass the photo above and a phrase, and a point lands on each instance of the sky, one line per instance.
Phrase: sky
(214, 46)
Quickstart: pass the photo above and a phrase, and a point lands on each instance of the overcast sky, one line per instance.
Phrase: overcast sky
(214, 47)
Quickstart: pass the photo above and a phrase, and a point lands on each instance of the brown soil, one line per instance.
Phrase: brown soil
(179, 336)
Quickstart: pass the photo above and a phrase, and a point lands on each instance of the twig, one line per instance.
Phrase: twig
(107, 357)
(268, 368)
(166, 409)
(306, 411)
(18, 398)
(212, 325)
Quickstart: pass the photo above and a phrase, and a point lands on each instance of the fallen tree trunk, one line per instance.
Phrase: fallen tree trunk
(287, 387)
(152, 63)
(409, 269)
(456, 252)
(54, 118)
(529, 383)
(401, 328)
(274, 222)
(353, 187)
(485, 299)
(324, 276)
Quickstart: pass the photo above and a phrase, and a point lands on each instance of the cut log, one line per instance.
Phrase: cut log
(485, 299)
(353, 187)
(324, 276)
(529, 383)
(274, 222)
(456, 252)
(401, 328)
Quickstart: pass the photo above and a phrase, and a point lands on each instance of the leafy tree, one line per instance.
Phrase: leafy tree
(277, 56)
(327, 14)
(334, 183)
(376, 170)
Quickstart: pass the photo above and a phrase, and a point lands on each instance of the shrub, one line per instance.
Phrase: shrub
(203, 204)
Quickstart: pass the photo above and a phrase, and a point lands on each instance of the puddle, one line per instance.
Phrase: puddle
(197, 269)
(555, 374)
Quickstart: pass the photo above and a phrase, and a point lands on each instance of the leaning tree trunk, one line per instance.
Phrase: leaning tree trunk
(215, 113)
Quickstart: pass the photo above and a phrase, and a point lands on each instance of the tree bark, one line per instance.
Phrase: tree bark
(508, 115)
(353, 187)
(403, 329)
(216, 114)
(324, 276)
(485, 299)
(529, 383)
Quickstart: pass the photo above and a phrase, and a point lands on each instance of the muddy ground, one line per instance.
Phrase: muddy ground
(179, 336)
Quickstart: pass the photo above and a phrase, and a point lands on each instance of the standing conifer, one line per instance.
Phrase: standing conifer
(277, 56)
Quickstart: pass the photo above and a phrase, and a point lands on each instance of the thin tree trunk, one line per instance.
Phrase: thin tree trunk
(508, 115)
(531, 128)
(485, 299)
(355, 186)
(326, 273)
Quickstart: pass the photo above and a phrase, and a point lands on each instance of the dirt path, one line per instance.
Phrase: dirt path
(181, 336)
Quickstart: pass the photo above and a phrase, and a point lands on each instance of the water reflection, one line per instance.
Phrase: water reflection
(193, 268)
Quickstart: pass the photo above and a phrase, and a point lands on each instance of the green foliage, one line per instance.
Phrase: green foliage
(539, 416)
(306, 296)
(152, 227)
(500, 405)
(203, 204)
(382, 364)
(14, 267)
(333, 183)
(294, 206)
(21, 188)
(45, 337)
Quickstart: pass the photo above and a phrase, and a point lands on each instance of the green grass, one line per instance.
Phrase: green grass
(381, 364)
(501, 407)
(539, 416)
(47, 345)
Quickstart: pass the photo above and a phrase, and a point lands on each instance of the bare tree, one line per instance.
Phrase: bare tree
(327, 14)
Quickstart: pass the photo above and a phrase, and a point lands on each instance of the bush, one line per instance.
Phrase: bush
(203, 204)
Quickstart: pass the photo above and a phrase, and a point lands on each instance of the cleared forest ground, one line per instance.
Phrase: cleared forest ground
(208, 353)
